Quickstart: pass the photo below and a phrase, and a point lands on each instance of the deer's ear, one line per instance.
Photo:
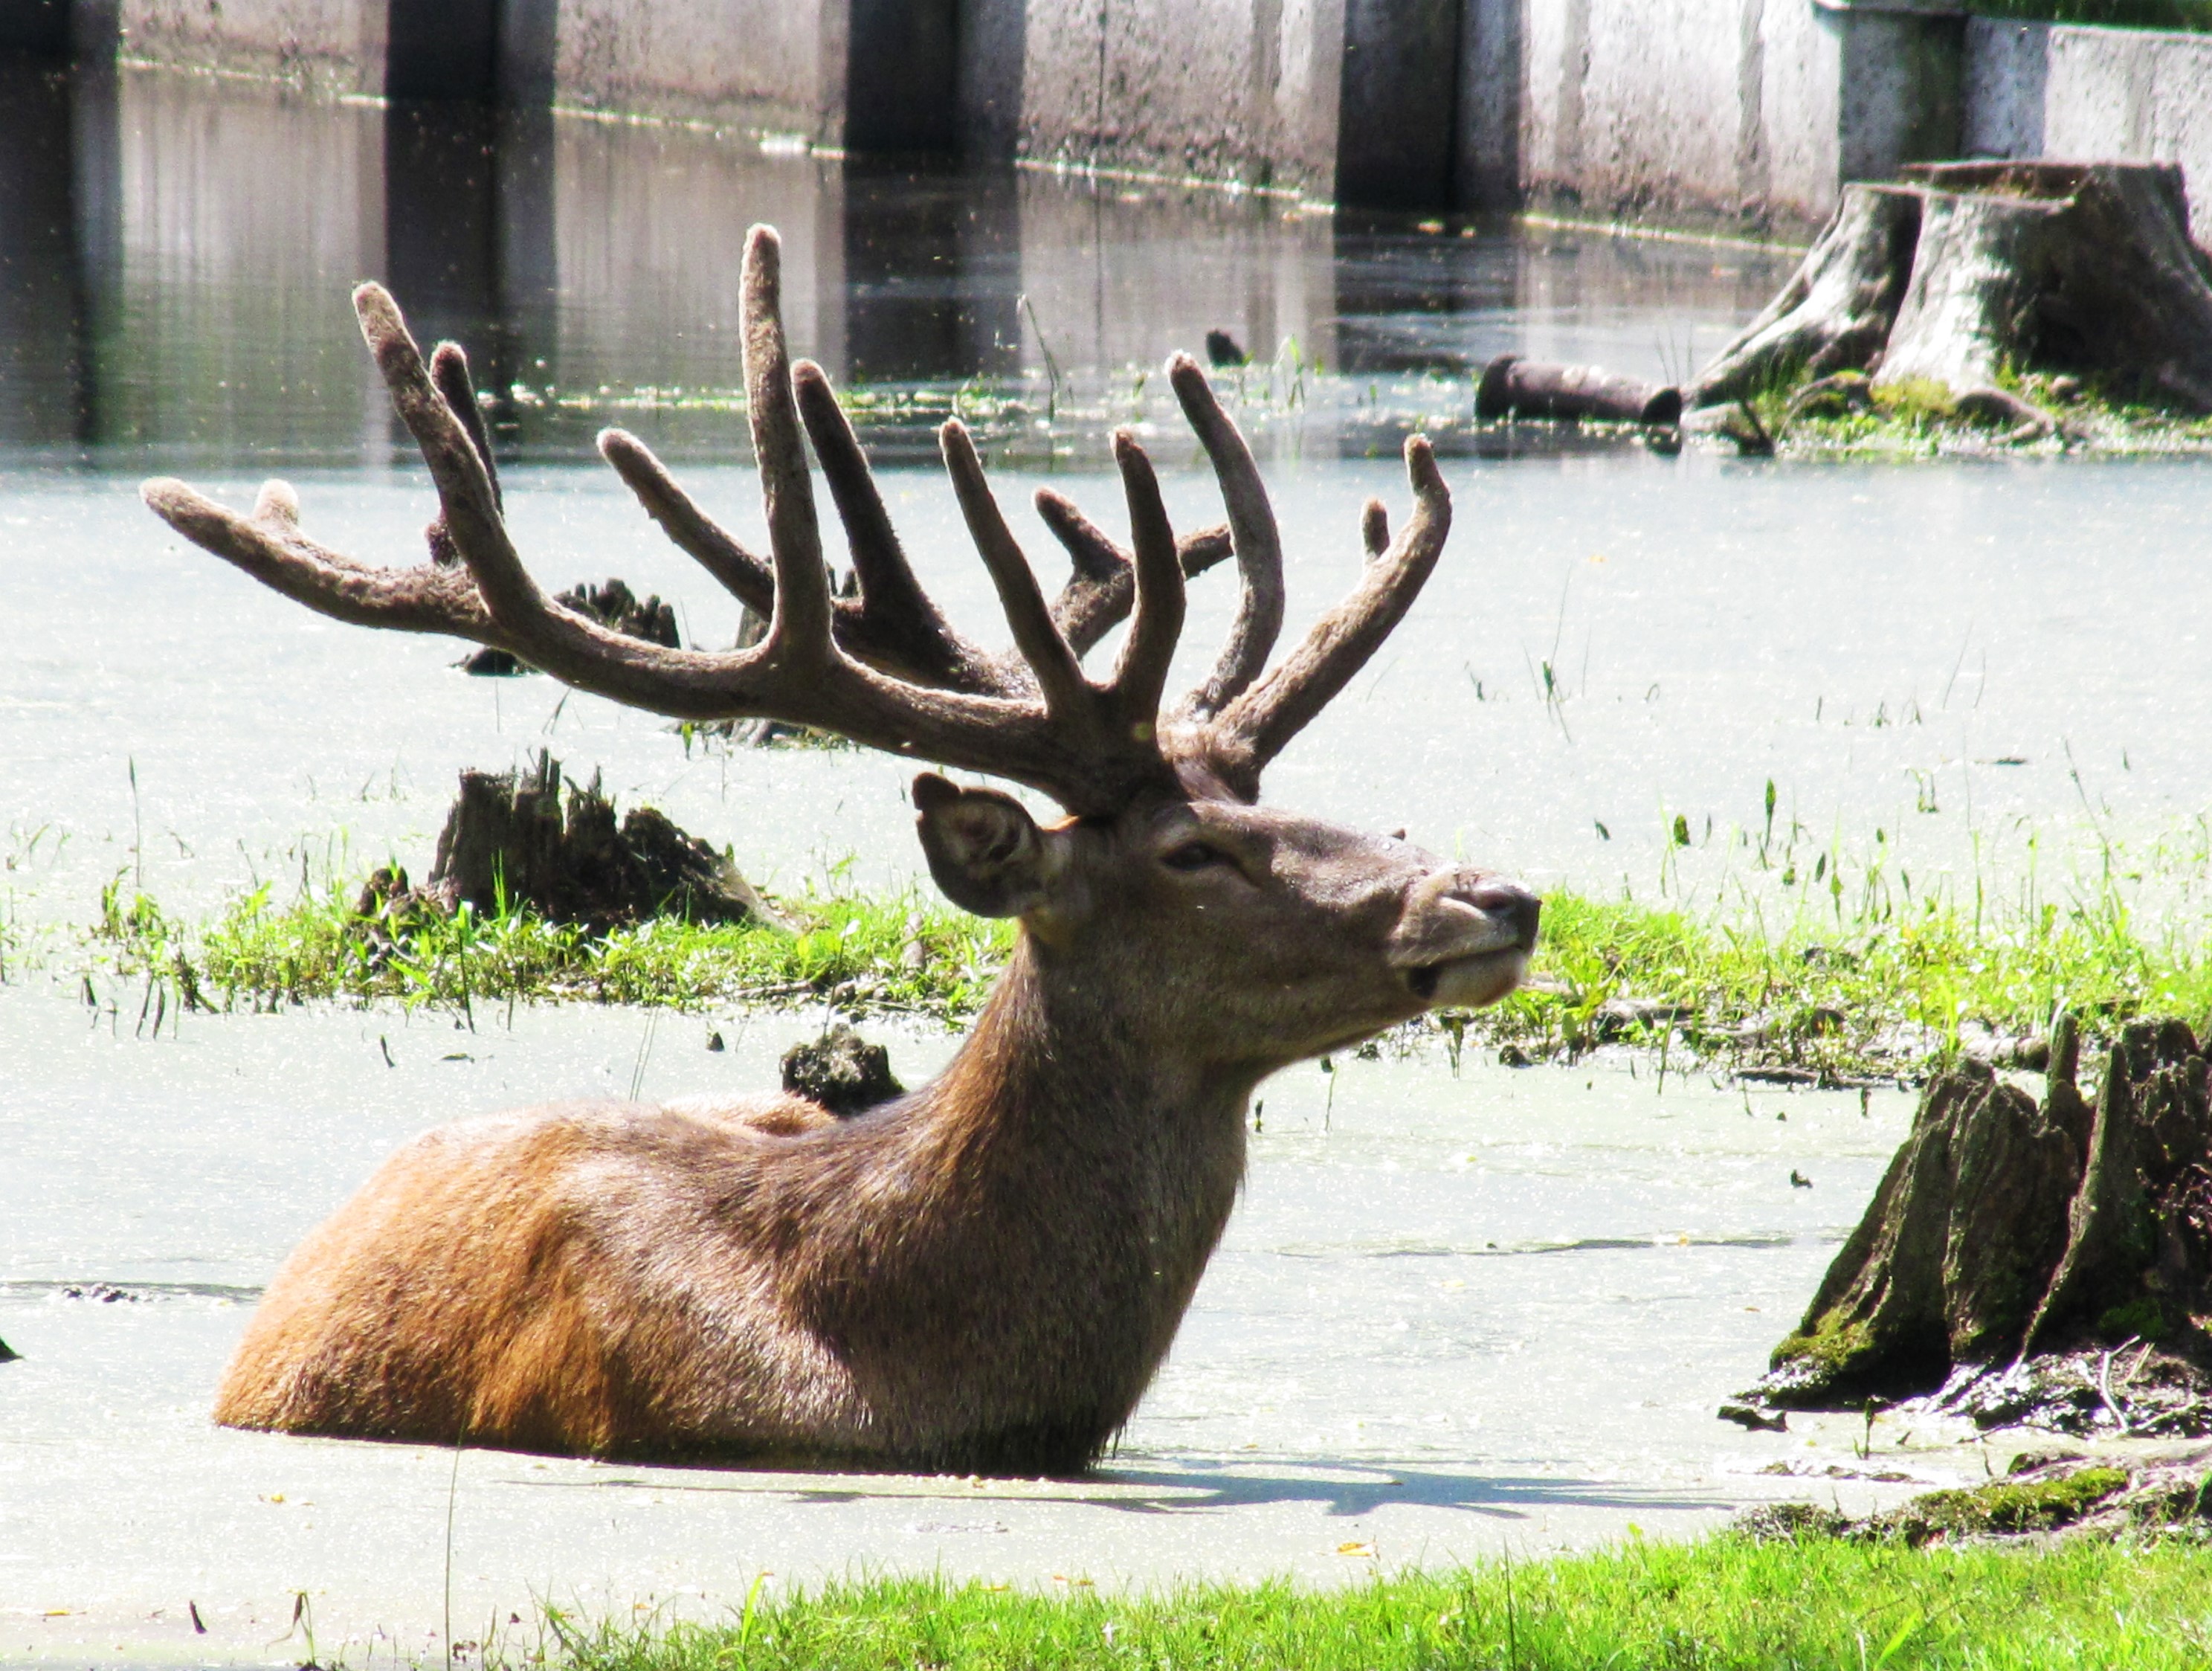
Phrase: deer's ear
(984, 849)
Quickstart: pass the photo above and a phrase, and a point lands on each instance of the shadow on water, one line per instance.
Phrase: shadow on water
(176, 254)
(1345, 1490)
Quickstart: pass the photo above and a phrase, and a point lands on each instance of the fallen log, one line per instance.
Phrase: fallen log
(2012, 1241)
(1514, 387)
(1965, 273)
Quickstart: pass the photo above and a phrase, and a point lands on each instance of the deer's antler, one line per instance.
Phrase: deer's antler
(885, 668)
(894, 625)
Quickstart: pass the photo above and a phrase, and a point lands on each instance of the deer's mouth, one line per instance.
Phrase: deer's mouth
(1472, 981)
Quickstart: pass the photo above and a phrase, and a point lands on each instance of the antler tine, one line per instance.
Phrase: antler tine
(1254, 729)
(1374, 527)
(697, 535)
(897, 624)
(468, 504)
(449, 372)
(1157, 622)
(1098, 593)
(1059, 675)
(1259, 546)
(800, 621)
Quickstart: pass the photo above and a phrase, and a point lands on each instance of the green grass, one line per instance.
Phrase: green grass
(1865, 980)
(1872, 991)
(1815, 1605)
(1917, 420)
(260, 955)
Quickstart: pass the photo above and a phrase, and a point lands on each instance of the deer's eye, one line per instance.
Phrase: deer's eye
(1193, 856)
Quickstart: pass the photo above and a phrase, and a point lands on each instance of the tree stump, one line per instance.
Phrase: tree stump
(1835, 313)
(611, 604)
(1966, 271)
(842, 1071)
(512, 840)
(2006, 1228)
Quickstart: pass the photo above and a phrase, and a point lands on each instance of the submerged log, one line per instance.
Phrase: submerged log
(512, 839)
(1514, 387)
(1966, 271)
(611, 604)
(842, 1071)
(2007, 1228)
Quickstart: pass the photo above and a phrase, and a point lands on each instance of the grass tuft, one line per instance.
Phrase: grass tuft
(1726, 1604)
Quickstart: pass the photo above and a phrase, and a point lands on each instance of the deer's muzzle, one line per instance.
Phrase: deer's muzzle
(1464, 938)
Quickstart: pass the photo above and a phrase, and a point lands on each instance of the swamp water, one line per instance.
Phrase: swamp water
(1455, 1312)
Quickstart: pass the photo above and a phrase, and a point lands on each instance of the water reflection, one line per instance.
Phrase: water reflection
(175, 256)
(50, 209)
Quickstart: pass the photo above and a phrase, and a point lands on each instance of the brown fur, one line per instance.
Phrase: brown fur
(982, 1275)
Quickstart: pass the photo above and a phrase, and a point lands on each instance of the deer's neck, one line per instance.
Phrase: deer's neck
(1077, 1171)
(1059, 1081)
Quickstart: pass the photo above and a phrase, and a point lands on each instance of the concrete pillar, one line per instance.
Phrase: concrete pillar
(442, 49)
(1398, 84)
(1487, 113)
(901, 75)
(1903, 83)
(38, 28)
(994, 48)
(56, 209)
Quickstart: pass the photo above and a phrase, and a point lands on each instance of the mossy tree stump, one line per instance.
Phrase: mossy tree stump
(2007, 1227)
(1964, 272)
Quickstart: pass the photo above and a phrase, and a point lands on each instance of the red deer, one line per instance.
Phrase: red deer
(982, 1275)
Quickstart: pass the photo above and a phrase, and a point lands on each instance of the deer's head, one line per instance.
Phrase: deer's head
(1244, 935)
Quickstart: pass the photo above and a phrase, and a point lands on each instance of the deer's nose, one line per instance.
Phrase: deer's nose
(1452, 914)
(1507, 903)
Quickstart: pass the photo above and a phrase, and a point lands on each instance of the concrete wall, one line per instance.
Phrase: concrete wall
(1735, 112)
(2042, 89)
(1242, 91)
(1740, 113)
(330, 45)
(778, 65)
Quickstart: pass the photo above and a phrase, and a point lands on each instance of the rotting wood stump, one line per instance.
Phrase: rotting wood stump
(2017, 1247)
(513, 839)
(1963, 272)
(842, 1071)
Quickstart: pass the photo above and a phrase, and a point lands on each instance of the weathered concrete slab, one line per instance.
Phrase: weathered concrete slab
(2055, 90)
(335, 46)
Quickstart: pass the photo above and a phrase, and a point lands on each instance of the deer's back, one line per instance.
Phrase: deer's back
(590, 1279)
